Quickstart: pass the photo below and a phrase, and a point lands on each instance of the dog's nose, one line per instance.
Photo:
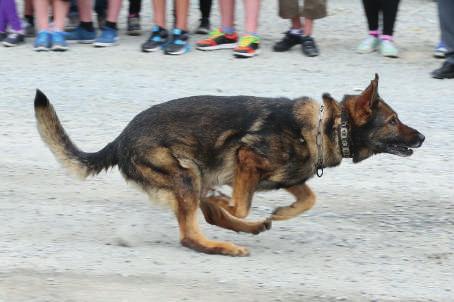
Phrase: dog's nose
(421, 138)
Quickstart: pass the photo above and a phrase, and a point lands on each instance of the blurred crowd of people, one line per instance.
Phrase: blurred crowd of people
(51, 30)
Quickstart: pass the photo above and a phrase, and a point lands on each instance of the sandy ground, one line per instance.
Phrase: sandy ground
(382, 230)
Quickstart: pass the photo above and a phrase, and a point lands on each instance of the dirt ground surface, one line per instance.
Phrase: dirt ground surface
(381, 230)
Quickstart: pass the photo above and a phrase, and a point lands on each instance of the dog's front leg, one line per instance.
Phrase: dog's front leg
(305, 199)
(216, 214)
(248, 170)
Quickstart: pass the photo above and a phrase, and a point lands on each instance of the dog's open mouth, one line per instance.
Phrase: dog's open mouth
(399, 150)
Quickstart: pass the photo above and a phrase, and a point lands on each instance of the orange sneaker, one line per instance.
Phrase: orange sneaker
(247, 47)
(218, 40)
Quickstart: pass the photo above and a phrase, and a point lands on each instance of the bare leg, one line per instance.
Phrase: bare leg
(252, 9)
(60, 12)
(182, 11)
(85, 10)
(296, 23)
(159, 13)
(113, 10)
(308, 26)
(305, 199)
(227, 9)
(28, 8)
(42, 14)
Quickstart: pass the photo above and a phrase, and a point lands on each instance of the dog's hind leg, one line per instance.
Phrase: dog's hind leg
(186, 188)
(215, 214)
(305, 199)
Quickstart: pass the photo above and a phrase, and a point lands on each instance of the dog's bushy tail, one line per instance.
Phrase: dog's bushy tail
(81, 163)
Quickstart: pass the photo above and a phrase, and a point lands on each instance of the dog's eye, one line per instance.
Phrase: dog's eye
(393, 121)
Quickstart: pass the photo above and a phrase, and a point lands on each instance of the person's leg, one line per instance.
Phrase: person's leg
(134, 27)
(371, 43)
(205, 9)
(372, 9)
(159, 13)
(179, 42)
(308, 26)
(10, 11)
(252, 9)
(101, 8)
(60, 12)
(389, 8)
(227, 10)
(182, 11)
(85, 32)
(135, 7)
(3, 20)
(109, 33)
(296, 23)
(446, 11)
(249, 43)
(28, 8)
(312, 9)
(42, 14)
(29, 17)
(113, 10)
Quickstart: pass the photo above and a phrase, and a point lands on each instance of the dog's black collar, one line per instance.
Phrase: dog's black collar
(344, 135)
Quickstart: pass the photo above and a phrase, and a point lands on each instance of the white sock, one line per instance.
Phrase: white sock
(296, 31)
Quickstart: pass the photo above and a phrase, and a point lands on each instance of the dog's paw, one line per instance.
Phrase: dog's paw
(282, 213)
(264, 226)
(239, 251)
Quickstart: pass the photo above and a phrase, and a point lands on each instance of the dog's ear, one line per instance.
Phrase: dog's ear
(366, 101)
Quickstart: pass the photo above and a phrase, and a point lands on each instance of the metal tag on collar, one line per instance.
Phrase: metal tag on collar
(319, 172)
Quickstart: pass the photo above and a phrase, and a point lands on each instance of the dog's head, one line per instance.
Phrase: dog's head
(376, 128)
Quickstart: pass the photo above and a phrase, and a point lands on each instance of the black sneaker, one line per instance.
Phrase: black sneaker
(29, 30)
(204, 27)
(310, 49)
(446, 71)
(14, 39)
(158, 38)
(134, 28)
(179, 44)
(3, 36)
(287, 42)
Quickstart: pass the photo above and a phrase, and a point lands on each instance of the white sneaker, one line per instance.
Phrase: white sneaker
(389, 49)
(370, 44)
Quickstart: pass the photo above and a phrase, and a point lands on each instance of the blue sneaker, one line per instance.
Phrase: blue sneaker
(42, 41)
(440, 50)
(58, 41)
(178, 44)
(81, 35)
(158, 38)
(108, 37)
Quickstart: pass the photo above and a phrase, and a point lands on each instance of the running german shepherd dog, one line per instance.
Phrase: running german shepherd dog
(181, 150)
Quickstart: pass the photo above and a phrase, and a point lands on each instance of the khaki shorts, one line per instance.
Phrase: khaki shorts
(311, 9)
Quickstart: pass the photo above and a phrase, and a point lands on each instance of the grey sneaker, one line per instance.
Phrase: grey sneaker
(29, 29)
(134, 28)
(204, 27)
(389, 49)
(368, 45)
(14, 39)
